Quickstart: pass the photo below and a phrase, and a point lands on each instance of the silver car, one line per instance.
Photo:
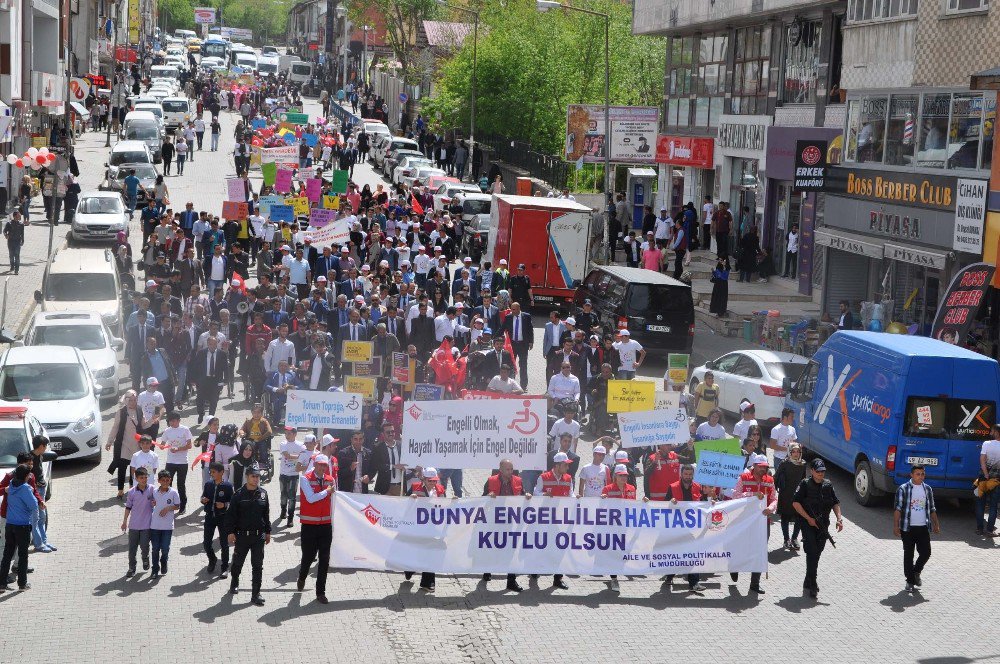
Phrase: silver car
(100, 215)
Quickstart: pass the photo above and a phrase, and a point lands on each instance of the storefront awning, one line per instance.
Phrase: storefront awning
(854, 244)
(921, 257)
(80, 110)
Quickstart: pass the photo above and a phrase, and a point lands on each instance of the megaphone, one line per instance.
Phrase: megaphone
(243, 307)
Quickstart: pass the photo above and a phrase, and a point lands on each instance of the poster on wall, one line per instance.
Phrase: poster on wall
(970, 215)
(633, 133)
(810, 165)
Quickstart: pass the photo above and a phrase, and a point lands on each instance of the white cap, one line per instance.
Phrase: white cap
(571, 321)
(344, 249)
(309, 438)
(383, 263)
(327, 439)
(624, 333)
(150, 284)
(503, 261)
(621, 469)
(366, 268)
(600, 449)
(430, 473)
(460, 305)
(621, 455)
(744, 405)
(402, 263)
(152, 381)
(321, 458)
(321, 278)
(758, 460)
(285, 247)
(560, 457)
(466, 260)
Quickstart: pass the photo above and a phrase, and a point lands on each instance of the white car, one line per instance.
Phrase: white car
(177, 112)
(17, 427)
(85, 331)
(100, 215)
(756, 375)
(58, 384)
(446, 191)
(408, 166)
(210, 62)
(421, 174)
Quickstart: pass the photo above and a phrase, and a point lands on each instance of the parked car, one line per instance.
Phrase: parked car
(387, 147)
(421, 175)
(408, 165)
(394, 157)
(100, 215)
(447, 191)
(83, 279)
(127, 152)
(87, 332)
(17, 427)
(753, 374)
(141, 125)
(177, 111)
(57, 383)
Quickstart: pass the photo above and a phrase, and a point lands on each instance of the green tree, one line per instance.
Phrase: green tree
(402, 24)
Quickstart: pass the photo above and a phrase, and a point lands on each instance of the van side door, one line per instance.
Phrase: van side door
(801, 400)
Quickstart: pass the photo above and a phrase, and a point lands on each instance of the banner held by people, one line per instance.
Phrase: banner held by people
(654, 427)
(323, 410)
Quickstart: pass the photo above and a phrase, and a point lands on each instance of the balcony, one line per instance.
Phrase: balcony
(678, 17)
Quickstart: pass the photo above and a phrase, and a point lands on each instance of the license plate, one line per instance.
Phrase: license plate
(657, 328)
(545, 298)
(98, 232)
(922, 461)
(56, 445)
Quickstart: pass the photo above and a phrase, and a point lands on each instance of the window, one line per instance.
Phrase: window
(900, 136)
(727, 363)
(964, 133)
(933, 144)
(802, 62)
(955, 6)
(880, 10)
(751, 70)
(805, 386)
(696, 68)
(644, 299)
(932, 417)
(747, 368)
(989, 122)
(866, 129)
(42, 382)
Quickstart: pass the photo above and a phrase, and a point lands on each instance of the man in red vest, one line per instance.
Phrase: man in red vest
(426, 486)
(685, 488)
(505, 483)
(556, 483)
(620, 488)
(756, 482)
(316, 489)
(662, 469)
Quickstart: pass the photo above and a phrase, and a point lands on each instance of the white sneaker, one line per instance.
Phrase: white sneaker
(909, 587)
(615, 587)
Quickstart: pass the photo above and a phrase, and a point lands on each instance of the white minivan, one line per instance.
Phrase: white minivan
(176, 111)
(165, 71)
(144, 126)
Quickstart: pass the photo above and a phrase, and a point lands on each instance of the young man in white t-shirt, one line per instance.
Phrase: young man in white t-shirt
(631, 354)
(166, 504)
(178, 440)
(783, 435)
(566, 425)
(595, 475)
(144, 458)
(913, 517)
(989, 466)
(150, 403)
(288, 474)
(748, 413)
(712, 428)
(305, 462)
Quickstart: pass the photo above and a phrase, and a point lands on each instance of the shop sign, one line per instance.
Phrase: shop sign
(970, 214)
(685, 151)
(848, 243)
(810, 166)
(742, 136)
(895, 252)
(963, 298)
(934, 192)
(882, 222)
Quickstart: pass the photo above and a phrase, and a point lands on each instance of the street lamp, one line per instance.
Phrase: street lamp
(342, 15)
(364, 54)
(475, 43)
(545, 5)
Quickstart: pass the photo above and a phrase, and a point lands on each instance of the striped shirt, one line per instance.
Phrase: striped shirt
(903, 496)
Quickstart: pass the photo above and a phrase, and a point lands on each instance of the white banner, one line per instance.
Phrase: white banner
(338, 232)
(204, 15)
(288, 154)
(970, 214)
(548, 535)
(455, 434)
(654, 427)
(323, 410)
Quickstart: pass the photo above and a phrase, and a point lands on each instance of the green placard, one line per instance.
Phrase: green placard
(339, 182)
(724, 446)
(295, 118)
(270, 171)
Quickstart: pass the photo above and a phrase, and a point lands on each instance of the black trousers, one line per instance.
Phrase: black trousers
(180, 471)
(427, 579)
(254, 545)
(678, 263)
(16, 538)
(213, 523)
(208, 396)
(316, 541)
(919, 538)
(813, 543)
(521, 351)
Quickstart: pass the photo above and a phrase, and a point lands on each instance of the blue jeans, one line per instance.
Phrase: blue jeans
(14, 252)
(215, 142)
(992, 501)
(625, 375)
(212, 284)
(160, 541)
(40, 523)
(180, 163)
(455, 475)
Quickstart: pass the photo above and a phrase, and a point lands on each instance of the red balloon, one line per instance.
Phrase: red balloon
(19, 163)
(50, 157)
(40, 159)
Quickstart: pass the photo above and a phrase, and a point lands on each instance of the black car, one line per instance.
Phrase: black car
(657, 310)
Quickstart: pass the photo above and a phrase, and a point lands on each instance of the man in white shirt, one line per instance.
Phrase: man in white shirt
(308, 456)
(279, 349)
(783, 435)
(151, 404)
(288, 474)
(178, 440)
(503, 383)
(447, 324)
(564, 385)
(661, 230)
(595, 475)
(566, 425)
(748, 413)
(215, 275)
(631, 354)
(989, 467)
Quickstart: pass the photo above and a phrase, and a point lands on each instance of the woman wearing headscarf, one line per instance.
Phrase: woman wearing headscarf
(787, 477)
(239, 464)
(123, 439)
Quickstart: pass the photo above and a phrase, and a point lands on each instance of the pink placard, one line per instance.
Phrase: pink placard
(320, 217)
(283, 180)
(314, 189)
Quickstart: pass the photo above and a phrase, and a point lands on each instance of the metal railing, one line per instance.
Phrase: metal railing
(550, 169)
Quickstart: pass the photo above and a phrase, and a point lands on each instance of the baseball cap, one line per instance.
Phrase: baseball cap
(621, 455)
(150, 284)
(366, 268)
(487, 330)
(560, 457)
(344, 249)
(758, 460)
(466, 260)
(309, 438)
(571, 321)
(621, 469)
(586, 302)
(818, 465)
(152, 381)
(460, 305)
(321, 458)
(430, 473)
(503, 261)
(328, 440)
(745, 406)
(285, 247)
(600, 449)
(624, 333)
(289, 427)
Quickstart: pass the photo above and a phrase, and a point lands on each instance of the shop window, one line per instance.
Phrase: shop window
(701, 105)
(989, 123)
(933, 146)
(965, 131)
(866, 129)
(801, 70)
(880, 10)
(750, 69)
(901, 133)
(956, 6)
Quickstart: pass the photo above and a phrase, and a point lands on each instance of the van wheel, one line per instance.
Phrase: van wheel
(864, 484)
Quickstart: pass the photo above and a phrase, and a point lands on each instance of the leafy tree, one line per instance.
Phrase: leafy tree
(402, 24)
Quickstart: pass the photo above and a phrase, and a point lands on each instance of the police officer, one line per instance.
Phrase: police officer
(249, 527)
(813, 500)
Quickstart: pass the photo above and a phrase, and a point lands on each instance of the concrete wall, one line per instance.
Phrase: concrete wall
(952, 47)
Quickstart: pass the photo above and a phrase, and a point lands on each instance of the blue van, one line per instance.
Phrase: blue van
(876, 403)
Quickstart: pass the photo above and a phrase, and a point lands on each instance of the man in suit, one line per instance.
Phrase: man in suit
(383, 346)
(327, 263)
(190, 271)
(135, 348)
(438, 284)
(495, 358)
(287, 301)
(339, 315)
(210, 371)
(465, 281)
(560, 354)
(387, 463)
(354, 330)
(275, 317)
(318, 375)
(422, 332)
(309, 252)
(394, 324)
(488, 311)
(522, 338)
(355, 463)
(188, 217)
(553, 332)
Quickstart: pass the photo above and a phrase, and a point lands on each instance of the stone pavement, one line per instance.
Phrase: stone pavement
(81, 609)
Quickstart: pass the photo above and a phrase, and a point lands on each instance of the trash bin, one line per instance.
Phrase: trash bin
(747, 330)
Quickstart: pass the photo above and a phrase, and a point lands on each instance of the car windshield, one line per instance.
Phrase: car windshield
(13, 441)
(301, 69)
(100, 205)
(84, 337)
(140, 133)
(652, 297)
(779, 370)
(476, 206)
(80, 287)
(42, 382)
(155, 110)
(175, 106)
(267, 68)
(124, 157)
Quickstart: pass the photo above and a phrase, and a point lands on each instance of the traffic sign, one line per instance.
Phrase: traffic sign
(403, 97)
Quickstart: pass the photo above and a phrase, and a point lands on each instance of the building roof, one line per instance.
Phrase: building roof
(444, 34)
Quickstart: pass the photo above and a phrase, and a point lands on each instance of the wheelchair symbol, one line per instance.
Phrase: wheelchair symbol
(525, 416)
(353, 403)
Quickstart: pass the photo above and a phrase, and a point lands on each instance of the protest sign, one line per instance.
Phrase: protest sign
(631, 395)
(300, 204)
(330, 234)
(258, 123)
(284, 154)
(475, 395)
(323, 410)
(428, 392)
(283, 181)
(664, 400)
(236, 189)
(234, 210)
(320, 217)
(402, 368)
(265, 203)
(366, 369)
(447, 434)
(363, 386)
(314, 189)
(654, 427)
(295, 118)
(310, 139)
(547, 536)
(331, 202)
(340, 182)
(281, 213)
(356, 351)
(722, 446)
(718, 469)
(269, 171)
(677, 368)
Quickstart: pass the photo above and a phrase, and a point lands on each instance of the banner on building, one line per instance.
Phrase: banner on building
(450, 434)
(204, 15)
(554, 536)
(323, 410)
(134, 21)
(961, 302)
(633, 133)
(970, 215)
(810, 166)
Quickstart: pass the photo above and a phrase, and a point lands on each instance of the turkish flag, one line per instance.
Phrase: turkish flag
(415, 204)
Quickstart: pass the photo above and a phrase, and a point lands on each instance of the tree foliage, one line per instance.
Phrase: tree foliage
(402, 24)
(531, 65)
(267, 18)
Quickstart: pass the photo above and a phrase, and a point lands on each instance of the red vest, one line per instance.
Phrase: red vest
(493, 485)
(418, 488)
(662, 474)
(675, 491)
(752, 486)
(321, 511)
(557, 487)
(612, 491)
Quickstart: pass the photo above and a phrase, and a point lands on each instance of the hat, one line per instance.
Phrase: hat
(152, 381)
(430, 473)
(421, 248)
(663, 209)
(560, 457)
(621, 469)
(745, 406)
(289, 427)
(466, 260)
(366, 268)
(321, 278)
(818, 465)
(344, 249)
(600, 449)
(234, 282)
(437, 249)
(758, 460)
(487, 330)
(161, 255)
(252, 469)
(571, 321)
(150, 284)
(503, 261)
(586, 302)
(649, 232)
(621, 455)
(309, 438)
(285, 247)
(321, 458)
(594, 337)
(402, 263)
(624, 333)
(328, 439)
(459, 305)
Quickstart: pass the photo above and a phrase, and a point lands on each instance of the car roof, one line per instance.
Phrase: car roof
(634, 274)
(96, 193)
(476, 196)
(42, 355)
(129, 146)
(139, 114)
(84, 260)
(773, 356)
(56, 318)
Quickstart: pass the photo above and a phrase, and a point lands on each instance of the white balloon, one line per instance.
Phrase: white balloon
(32, 152)
(12, 159)
(43, 151)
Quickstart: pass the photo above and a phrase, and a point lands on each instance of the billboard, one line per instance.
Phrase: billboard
(236, 33)
(633, 133)
(204, 15)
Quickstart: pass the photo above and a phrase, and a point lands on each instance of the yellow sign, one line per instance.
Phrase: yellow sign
(134, 21)
(39, 141)
(356, 351)
(255, 158)
(627, 396)
(300, 205)
(286, 127)
(363, 386)
(331, 202)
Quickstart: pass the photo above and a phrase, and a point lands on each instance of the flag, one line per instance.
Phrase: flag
(415, 204)
(507, 346)
(240, 286)
(443, 364)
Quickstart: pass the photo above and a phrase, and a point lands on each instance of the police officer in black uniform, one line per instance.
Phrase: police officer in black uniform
(813, 500)
(249, 527)
(520, 288)
(587, 319)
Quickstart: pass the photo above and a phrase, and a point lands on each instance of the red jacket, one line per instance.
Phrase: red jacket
(418, 488)
(493, 485)
(321, 511)
(749, 486)
(676, 494)
(612, 491)
(5, 482)
(661, 474)
(558, 487)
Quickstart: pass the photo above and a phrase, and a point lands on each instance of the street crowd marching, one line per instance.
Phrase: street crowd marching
(308, 283)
